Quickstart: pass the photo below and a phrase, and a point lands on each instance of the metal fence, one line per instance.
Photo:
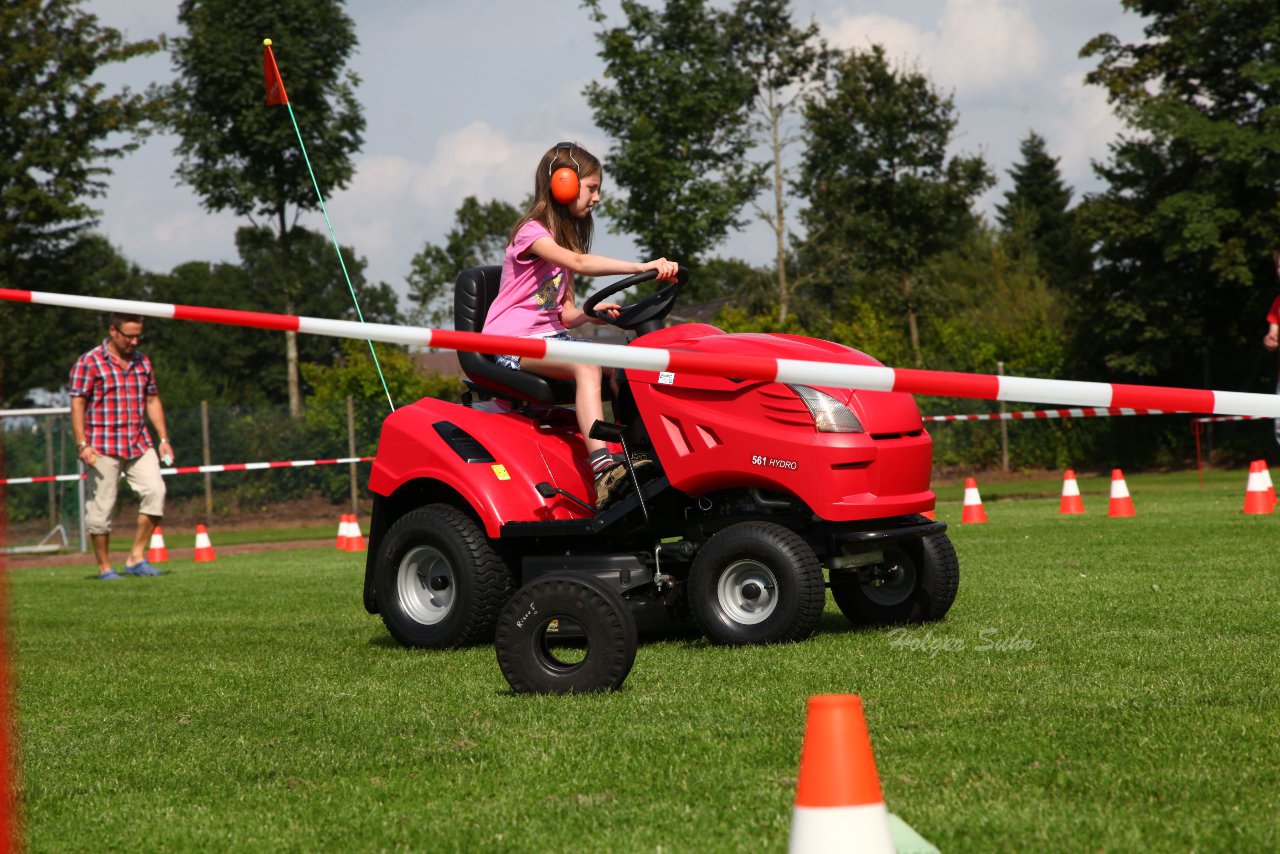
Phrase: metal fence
(288, 459)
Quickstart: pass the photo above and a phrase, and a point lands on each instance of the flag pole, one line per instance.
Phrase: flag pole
(276, 95)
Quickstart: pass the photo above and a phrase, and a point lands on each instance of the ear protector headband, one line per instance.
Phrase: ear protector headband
(564, 181)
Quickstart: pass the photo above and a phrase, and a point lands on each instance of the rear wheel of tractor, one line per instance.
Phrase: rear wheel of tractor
(917, 582)
(534, 653)
(756, 582)
(439, 582)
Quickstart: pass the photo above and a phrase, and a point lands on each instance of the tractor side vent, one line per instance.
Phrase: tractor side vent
(462, 443)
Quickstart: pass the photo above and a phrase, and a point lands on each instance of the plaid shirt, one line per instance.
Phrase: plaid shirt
(117, 401)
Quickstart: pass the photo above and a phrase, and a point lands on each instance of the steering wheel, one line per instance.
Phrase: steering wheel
(653, 307)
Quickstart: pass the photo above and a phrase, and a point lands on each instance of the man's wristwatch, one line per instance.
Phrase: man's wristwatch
(82, 445)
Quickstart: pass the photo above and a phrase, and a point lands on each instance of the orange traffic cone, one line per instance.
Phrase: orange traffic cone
(1072, 503)
(157, 553)
(204, 548)
(973, 513)
(355, 539)
(343, 533)
(1266, 478)
(839, 806)
(1256, 501)
(1121, 504)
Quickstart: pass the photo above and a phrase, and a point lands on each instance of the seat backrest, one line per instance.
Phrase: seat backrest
(475, 290)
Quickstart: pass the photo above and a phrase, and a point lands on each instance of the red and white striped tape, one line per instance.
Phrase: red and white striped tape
(1047, 414)
(1206, 419)
(285, 464)
(1087, 412)
(767, 369)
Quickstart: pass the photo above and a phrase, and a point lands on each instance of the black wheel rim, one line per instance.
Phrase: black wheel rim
(895, 584)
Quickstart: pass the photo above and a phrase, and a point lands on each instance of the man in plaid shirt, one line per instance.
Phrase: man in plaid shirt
(112, 386)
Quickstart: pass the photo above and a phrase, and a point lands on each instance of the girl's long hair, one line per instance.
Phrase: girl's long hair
(566, 229)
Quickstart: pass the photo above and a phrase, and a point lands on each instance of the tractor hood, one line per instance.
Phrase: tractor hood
(881, 412)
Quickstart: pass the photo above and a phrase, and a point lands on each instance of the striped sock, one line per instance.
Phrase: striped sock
(600, 461)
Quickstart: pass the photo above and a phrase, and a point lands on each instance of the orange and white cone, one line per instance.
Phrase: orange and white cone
(973, 513)
(839, 806)
(1121, 504)
(1266, 478)
(344, 533)
(355, 539)
(204, 548)
(1072, 503)
(1256, 500)
(156, 551)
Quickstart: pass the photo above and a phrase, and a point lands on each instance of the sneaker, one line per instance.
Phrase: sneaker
(142, 567)
(614, 481)
(109, 575)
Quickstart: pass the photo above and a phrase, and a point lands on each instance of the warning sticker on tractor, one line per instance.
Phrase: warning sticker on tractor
(501, 471)
(666, 378)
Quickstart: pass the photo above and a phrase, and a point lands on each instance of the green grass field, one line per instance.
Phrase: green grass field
(1100, 684)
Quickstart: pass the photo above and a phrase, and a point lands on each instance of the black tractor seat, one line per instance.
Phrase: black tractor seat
(476, 289)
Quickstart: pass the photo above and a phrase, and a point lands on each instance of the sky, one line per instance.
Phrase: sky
(459, 100)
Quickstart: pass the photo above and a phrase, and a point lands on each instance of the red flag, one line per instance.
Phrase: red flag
(271, 75)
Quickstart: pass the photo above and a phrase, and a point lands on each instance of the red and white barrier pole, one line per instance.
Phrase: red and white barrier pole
(767, 369)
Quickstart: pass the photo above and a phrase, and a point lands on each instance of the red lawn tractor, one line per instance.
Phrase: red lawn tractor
(757, 497)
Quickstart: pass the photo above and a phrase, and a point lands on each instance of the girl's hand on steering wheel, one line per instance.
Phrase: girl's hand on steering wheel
(667, 270)
(605, 312)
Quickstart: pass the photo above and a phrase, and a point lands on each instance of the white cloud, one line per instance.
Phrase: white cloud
(395, 204)
(898, 37)
(990, 44)
(975, 46)
(1081, 129)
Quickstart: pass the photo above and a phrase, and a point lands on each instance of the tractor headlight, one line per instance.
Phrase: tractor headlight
(829, 414)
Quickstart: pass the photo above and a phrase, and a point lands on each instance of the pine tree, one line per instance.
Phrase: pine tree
(1037, 212)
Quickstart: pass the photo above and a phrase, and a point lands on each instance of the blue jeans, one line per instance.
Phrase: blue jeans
(513, 362)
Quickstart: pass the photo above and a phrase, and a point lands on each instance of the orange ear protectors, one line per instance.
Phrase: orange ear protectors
(564, 181)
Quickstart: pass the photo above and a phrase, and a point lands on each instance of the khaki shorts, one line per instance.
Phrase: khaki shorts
(143, 474)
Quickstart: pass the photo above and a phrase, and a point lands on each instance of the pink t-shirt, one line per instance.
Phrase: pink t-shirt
(529, 297)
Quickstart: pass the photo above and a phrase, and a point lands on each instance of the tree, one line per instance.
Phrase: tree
(244, 370)
(59, 128)
(997, 308)
(786, 63)
(322, 288)
(243, 156)
(355, 375)
(1185, 227)
(883, 196)
(677, 112)
(41, 343)
(1037, 210)
(210, 361)
(1026, 333)
(479, 236)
